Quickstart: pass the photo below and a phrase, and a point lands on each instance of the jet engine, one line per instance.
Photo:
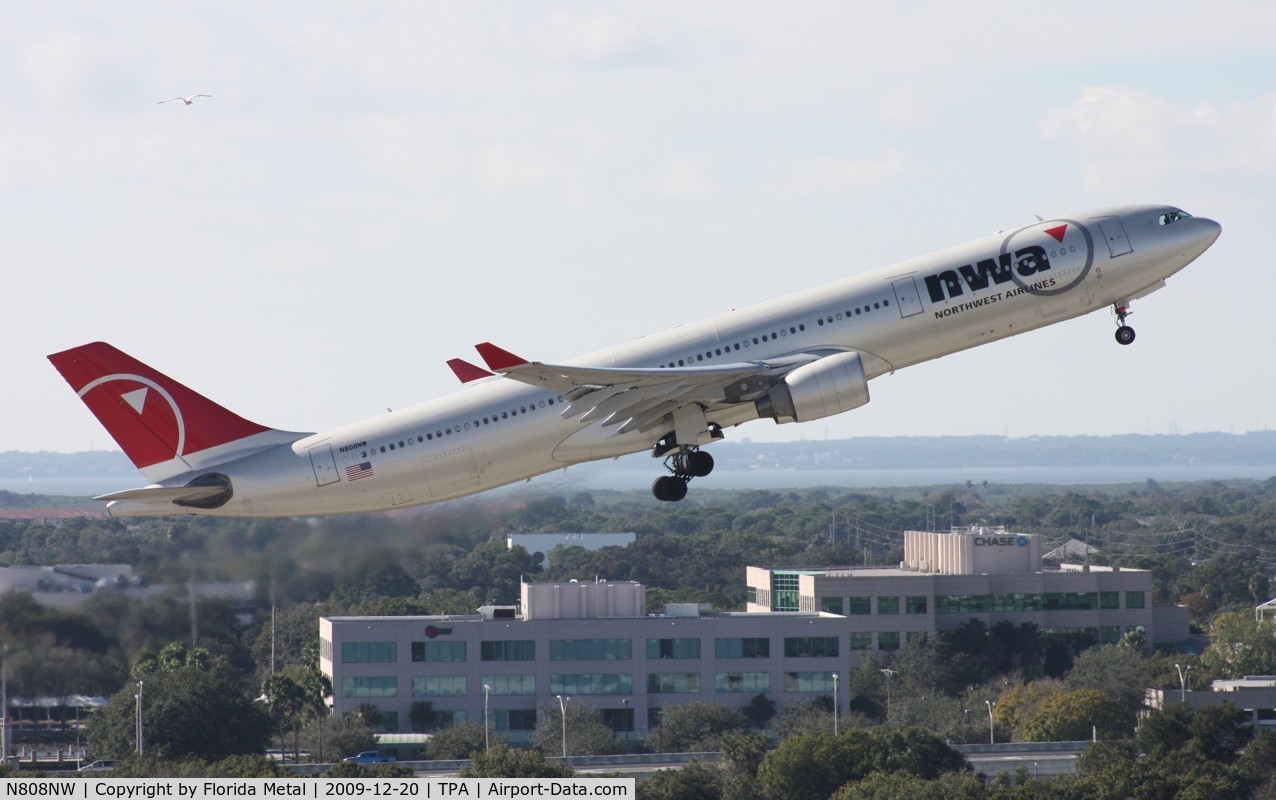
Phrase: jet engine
(829, 386)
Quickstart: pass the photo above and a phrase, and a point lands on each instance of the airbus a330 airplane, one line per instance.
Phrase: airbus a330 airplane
(799, 358)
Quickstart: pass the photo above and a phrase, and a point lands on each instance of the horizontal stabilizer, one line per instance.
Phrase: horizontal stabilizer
(466, 371)
(177, 495)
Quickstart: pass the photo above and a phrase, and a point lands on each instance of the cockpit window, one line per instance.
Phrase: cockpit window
(1173, 217)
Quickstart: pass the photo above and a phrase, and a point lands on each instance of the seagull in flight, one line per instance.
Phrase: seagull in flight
(185, 100)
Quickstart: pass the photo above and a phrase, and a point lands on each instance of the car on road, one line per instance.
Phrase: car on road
(371, 757)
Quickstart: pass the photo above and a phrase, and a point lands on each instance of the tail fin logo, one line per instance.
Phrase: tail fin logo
(164, 428)
(156, 420)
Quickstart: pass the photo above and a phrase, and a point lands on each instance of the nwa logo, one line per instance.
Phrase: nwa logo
(1026, 263)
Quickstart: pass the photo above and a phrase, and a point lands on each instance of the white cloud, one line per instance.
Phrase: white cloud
(1121, 136)
(833, 175)
(687, 178)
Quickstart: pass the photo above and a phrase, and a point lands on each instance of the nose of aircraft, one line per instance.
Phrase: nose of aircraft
(1205, 233)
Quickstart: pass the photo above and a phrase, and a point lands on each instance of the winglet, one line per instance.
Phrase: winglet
(497, 359)
(466, 371)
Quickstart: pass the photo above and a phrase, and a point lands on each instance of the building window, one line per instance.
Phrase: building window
(784, 591)
(1017, 602)
(447, 719)
(1134, 599)
(747, 647)
(751, 594)
(514, 650)
(376, 686)
(1109, 634)
(750, 682)
(673, 683)
(590, 649)
(1071, 601)
(510, 684)
(673, 648)
(438, 686)
(387, 721)
(831, 605)
(620, 720)
(859, 605)
(888, 640)
(810, 647)
(915, 605)
(964, 603)
(325, 649)
(513, 719)
(369, 652)
(808, 681)
(888, 605)
(1109, 599)
(591, 684)
(862, 640)
(438, 651)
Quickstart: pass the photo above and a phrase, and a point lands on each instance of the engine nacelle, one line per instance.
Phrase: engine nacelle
(820, 389)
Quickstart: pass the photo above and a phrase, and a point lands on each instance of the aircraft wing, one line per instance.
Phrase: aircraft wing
(640, 399)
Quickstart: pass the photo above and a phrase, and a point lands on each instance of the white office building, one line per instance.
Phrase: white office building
(595, 642)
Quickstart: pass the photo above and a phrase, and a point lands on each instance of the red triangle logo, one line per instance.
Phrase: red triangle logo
(1058, 232)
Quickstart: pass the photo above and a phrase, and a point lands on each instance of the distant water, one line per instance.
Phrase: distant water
(629, 478)
(608, 475)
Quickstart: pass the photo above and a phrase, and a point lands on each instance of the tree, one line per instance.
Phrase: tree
(342, 736)
(586, 734)
(1241, 646)
(1120, 671)
(285, 701)
(1074, 716)
(695, 727)
(695, 781)
(503, 761)
(743, 752)
(760, 711)
(893, 786)
(194, 708)
(457, 742)
(813, 767)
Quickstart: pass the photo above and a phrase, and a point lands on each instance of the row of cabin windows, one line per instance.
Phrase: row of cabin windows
(451, 429)
(829, 320)
(682, 362)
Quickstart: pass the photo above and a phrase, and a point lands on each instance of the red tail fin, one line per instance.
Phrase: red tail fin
(152, 417)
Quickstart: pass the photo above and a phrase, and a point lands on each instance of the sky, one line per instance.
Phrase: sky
(375, 187)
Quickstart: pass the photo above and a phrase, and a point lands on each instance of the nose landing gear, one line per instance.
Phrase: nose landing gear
(686, 462)
(1124, 333)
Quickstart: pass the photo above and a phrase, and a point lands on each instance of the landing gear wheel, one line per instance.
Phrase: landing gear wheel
(699, 463)
(1125, 334)
(669, 488)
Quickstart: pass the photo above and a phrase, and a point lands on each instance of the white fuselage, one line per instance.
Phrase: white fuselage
(498, 431)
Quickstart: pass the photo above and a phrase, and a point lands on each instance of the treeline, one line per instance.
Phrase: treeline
(1208, 545)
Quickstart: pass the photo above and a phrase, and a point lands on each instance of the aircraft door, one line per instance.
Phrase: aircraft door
(906, 296)
(1114, 233)
(324, 464)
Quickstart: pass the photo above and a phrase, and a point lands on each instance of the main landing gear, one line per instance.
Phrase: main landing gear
(685, 462)
(1124, 333)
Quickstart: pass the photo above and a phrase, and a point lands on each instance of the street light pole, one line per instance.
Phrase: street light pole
(991, 705)
(889, 673)
(486, 725)
(835, 704)
(562, 707)
(1183, 673)
(4, 705)
(141, 750)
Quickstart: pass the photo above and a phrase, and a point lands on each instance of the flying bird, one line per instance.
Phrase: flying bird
(185, 100)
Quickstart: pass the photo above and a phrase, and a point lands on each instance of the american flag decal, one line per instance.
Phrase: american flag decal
(357, 471)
